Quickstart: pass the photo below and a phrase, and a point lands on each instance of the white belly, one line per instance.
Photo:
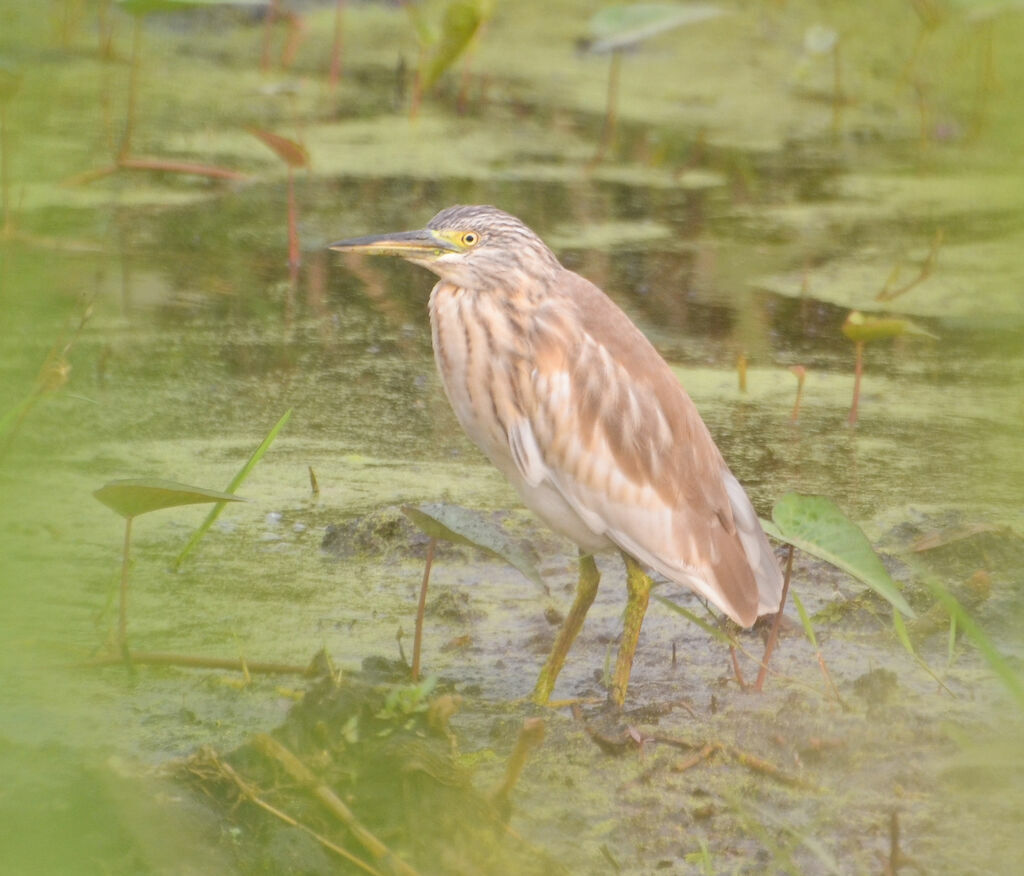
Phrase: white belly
(472, 377)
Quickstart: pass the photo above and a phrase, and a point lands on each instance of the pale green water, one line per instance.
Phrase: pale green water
(758, 242)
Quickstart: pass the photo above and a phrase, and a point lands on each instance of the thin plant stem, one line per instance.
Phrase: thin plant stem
(773, 637)
(337, 45)
(417, 641)
(858, 369)
(133, 89)
(611, 110)
(122, 614)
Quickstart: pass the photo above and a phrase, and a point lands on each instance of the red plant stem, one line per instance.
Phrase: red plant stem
(611, 110)
(338, 44)
(294, 250)
(736, 668)
(773, 637)
(133, 90)
(800, 375)
(293, 38)
(209, 170)
(417, 639)
(268, 24)
(857, 371)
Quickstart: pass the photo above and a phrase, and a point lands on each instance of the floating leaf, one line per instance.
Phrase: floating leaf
(462, 526)
(236, 482)
(462, 21)
(291, 153)
(135, 496)
(859, 327)
(816, 525)
(625, 27)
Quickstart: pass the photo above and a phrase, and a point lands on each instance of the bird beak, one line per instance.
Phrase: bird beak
(422, 244)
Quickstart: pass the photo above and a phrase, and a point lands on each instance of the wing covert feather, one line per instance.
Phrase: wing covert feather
(617, 435)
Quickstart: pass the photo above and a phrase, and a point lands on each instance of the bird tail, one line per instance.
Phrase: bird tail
(755, 545)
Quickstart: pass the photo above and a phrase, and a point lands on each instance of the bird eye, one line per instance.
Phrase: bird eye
(470, 238)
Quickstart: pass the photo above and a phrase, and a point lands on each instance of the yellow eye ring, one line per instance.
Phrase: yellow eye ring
(469, 238)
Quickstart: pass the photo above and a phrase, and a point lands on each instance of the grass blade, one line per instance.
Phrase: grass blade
(236, 481)
(710, 629)
(972, 629)
(806, 621)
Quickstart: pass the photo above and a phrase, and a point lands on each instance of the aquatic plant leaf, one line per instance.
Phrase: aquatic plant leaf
(462, 526)
(815, 524)
(859, 327)
(625, 27)
(805, 620)
(236, 482)
(144, 7)
(134, 496)
(291, 153)
(462, 20)
(999, 665)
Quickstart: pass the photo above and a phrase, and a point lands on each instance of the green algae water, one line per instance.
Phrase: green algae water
(149, 328)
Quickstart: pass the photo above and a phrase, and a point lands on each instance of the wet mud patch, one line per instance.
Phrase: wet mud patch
(888, 765)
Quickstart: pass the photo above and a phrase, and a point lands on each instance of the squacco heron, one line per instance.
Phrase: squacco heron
(576, 408)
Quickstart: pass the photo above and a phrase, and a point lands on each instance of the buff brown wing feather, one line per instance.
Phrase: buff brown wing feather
(626, 447)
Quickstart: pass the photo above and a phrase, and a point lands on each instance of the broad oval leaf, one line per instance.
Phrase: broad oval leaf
(462, 20)
(462, 526)
(815, 524)
(859, 327)
(625, 27)
(134, 496)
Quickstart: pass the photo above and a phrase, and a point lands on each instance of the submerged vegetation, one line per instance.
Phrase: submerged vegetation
(775, 185)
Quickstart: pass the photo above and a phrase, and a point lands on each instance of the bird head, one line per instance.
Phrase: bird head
(475, 247)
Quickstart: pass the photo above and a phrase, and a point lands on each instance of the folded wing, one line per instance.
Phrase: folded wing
(612, 430)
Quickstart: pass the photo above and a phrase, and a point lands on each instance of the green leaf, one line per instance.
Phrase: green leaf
(859, 327)
(972, 629)
(805, 620)
(624, 27)
(135, 496)
(462, 20)
(236, 482)
(816, 525)
(710, 629)
(902, 634)
(462, 526)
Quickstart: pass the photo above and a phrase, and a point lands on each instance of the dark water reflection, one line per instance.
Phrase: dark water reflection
(350, 344)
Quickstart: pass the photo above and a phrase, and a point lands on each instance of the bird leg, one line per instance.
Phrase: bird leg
(638, 588)
(586, 590)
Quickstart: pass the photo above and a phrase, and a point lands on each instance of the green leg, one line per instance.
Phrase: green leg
(586, 590)
(638, 586)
